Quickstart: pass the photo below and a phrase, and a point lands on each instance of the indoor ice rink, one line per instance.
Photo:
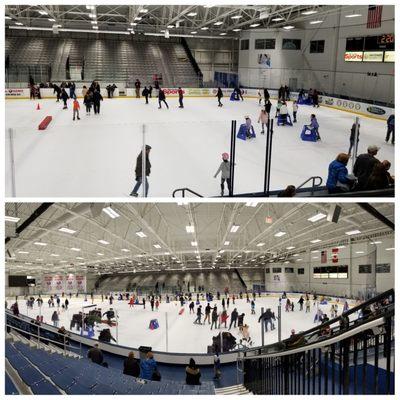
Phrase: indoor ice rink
(337, 257)
(96, 156)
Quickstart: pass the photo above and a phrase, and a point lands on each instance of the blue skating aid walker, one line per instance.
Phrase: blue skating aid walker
(242, 133)
(154, 324)
(288, 120)
(305, 101)
(234, 96)
(308, 135)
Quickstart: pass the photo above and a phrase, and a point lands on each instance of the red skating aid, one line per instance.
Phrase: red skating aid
(44, 124)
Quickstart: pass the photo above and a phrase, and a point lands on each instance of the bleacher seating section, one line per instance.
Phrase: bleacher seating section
(106, 60)
(48, 373)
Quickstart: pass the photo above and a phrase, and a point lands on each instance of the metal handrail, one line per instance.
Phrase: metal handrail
(183, 190)
(314, 184)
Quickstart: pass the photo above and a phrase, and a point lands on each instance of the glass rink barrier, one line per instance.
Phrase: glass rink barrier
(97, 154)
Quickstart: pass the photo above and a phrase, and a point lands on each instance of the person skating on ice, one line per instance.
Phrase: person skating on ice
(87, 101)
(295, 108)
(314, 125)
(283, 112)
(223, 318)
(214, 317)
(249, 127)
(64, 97)
(234, 317)
(253, 307)
(191, 308)
(225, 169)
(97, 97)
(219, 96)
(76, 107)
(162, 98)
(267, 318)
(138, 172)
(278, 108)
(180, 95)
(263, 119)
(57, 90)
(207, 314)
(145, 94)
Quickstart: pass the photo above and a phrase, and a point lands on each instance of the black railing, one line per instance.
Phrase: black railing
(343, 359)
(193, 61)
(183, 191)
(316, 182)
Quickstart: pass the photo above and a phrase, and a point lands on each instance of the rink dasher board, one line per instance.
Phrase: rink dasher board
(354, 107)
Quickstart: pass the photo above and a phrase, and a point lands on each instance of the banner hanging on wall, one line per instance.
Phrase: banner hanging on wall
(53, 284)
(264, 60)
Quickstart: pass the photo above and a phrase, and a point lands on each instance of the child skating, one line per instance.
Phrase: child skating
(225, 169)
(76, 108)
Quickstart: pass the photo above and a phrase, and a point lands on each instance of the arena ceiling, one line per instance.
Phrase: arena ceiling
(105, 238)
(156, 19)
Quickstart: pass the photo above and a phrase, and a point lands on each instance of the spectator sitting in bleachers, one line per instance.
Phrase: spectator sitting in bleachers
(378, 178)
(192, 373)
(131, 365)
(290, 191)
(390, 177)
(339, 179)
(148, 366)
(96, 355)
(364, 165)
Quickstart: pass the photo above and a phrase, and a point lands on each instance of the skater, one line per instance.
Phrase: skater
(308, 304)
(390, 128)
(214, 317)
(315, 98)
(72, 87)
(259, 97)
(137, 88)
(225, 169)
(267, 318)
(283, 112)
(144, 303)
(233, 299)
(219, 95)
(157, 304)
(263, 119)
(97, 97)
(207, 314)
(314, 125)
(152, 304)
(161, 98)
(223, 318)
(55, 319)
(301, 302)
(253, 307)
(131, 302)
(66, 303)
(295, 107)
(223, 304)
(76, 108)
(241, 320)
(278, 108)
(287, 93)
(180, 94)
(57, 90)
(146, 94)
(355, 127)
(191, 308)
(234, 317)
(287, 306)
(64, 96)
(58, 302)
(249, 127)
(87, 101)
(199, 314)
(139, 171)
(227, 302)
(150, 91)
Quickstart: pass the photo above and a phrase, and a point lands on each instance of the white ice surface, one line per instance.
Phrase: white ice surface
(96, 156)
(183, 335)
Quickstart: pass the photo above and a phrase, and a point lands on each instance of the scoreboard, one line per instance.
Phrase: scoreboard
(378, 48)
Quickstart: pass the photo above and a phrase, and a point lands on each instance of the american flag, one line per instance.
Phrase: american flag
(374, 17)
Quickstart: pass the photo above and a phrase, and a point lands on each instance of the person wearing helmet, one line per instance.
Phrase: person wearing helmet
(225, 169)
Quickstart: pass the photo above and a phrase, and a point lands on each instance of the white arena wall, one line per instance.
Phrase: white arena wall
(355, 107)
(327, 72)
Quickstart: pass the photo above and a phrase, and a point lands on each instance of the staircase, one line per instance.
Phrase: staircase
(232, 390)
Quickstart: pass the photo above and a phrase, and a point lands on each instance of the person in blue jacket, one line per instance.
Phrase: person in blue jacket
(390, 129)
(338, 174)
(148, 366)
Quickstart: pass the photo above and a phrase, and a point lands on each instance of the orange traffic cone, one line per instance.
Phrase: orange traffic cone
(38, 106)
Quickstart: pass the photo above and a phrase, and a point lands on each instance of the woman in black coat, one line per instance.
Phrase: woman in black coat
(131, 366)
(192, 373)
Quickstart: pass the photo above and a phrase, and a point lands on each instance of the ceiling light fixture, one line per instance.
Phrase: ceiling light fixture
(315, 22)
(316, 217)
(110, 212)
(157, 246)
(141, 234)
(290, 248)
(280, 234)
(276, 19)
(103, 241)
(191, 14)
(353, 15)
(235, 228)
(309, 12)
(75, 249)
(67, 230)
(237, 30)
(288, 27)
(11, 219)
(315, 241)
(254, 25)
(226, 243)
(354, 232)
(190, 229)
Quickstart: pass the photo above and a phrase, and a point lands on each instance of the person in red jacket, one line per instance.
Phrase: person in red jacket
(76, 108)
(180, 94)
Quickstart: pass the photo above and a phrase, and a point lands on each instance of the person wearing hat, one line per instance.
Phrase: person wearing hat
(364, 165)
(225, 169)
(139, 172)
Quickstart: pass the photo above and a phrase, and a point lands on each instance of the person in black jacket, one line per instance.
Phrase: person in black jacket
(353, 138)
(146, 93)
(64, 96)
(234, 317)
(219, 95)
(192, 373)
(266, 96)
(364, 165)
(95, 354)
(131, 365)
(138, 172)
(161, 98)
(378, 178)
(97, 97)
(267, 318)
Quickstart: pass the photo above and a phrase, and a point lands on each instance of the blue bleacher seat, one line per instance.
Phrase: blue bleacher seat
(44, 387)
(30, 375)
(102, 389)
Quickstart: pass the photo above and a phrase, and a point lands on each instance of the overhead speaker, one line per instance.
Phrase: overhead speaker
(55, 29)
(334, 213)
(96, 209)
